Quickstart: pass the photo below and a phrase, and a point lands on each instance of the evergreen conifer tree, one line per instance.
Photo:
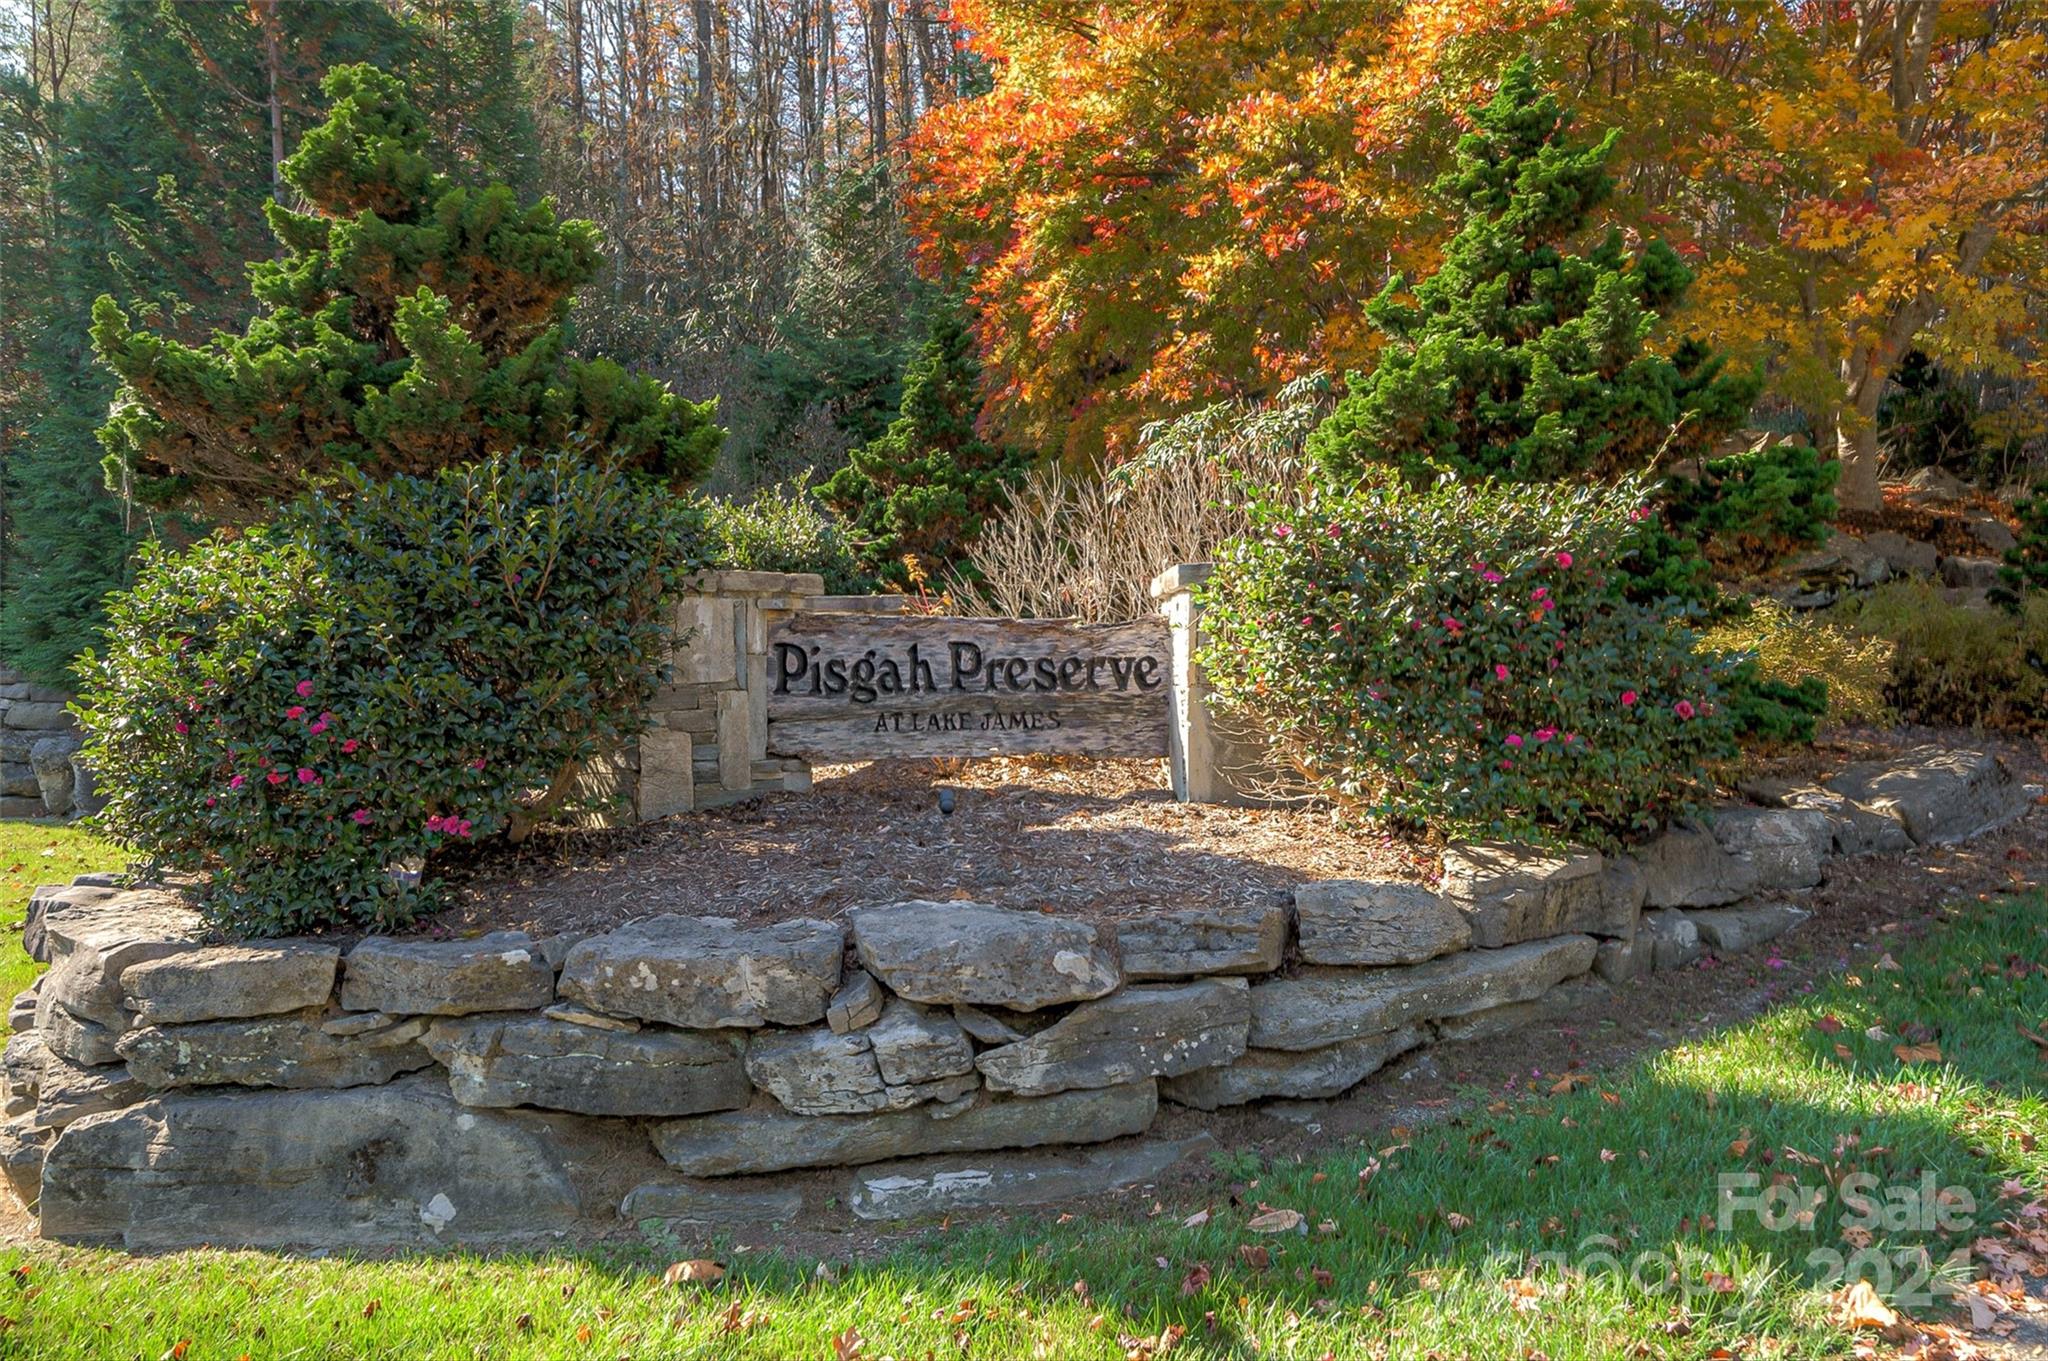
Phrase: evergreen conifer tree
(410, 323)
(160, 195)
(922, 488)
(1520, 357)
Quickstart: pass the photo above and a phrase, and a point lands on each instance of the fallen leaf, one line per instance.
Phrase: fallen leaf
(1828, 1025)
(1457, 1222)
(183, 1344)
(522, 1324)
(370, 1309)
(1275, 1221)
(1885, 963)
(1195, 1220)
(1254, 1256)
(696, 1271)
(1197, 1279)
(1918, 1053)
(583, 1334)
(1740, 1146)
(1857, 1306)
(846, 1345)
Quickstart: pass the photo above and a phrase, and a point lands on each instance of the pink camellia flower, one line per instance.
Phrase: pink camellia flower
(462, 828)
(318, 725)
(361, 816)
(1564, 559)
(305, 689)
(238, 781)
(1628, 699)
(308, 775)
(1539, 593)
(434, 823)
(1684, 708)
(211, 801)
(1500, 671)
(477, 764)
(1308, 621)
(181, 727)
(1491, 578)
(296, 711)
(275, 777)
(1453, 625)
(1282, 531)
(1515, 740)
(1545, 734)
(1507, 765)
(350, 745)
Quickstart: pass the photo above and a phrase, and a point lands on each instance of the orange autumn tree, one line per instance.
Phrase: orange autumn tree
(1855, 179)
(1159, 204)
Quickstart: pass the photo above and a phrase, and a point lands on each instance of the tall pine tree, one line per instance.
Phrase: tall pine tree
(1521, 357)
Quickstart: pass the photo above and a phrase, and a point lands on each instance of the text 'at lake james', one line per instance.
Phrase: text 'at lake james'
(966, 667)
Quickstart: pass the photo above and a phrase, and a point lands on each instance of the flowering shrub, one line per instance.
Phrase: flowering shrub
(315, 710)
(1457, 657)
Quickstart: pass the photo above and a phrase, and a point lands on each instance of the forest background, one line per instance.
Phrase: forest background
(1142, 208)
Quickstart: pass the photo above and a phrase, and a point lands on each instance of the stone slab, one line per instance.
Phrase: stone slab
(1686, 867)
(92, 941)
(718, 1204)
(23, 1146)
(396, 1166)
(502, 971)
(1941, 795)
(1734, 930)
(766, 1137)
(68, 1091)
(1512, 893)
(709, 973)
(815, 1072)
(270, 1051)
(944, 953)
(856, 1005)
(1311, 1074)
(1375, 921)
(915, 1044)
(1783, 847)
(1324, 1006)
(924, 1187)
(1575, 997)
(1144, 1030)
(1673, 939)
(1243, 938)
(503, 1061)
(226, 982)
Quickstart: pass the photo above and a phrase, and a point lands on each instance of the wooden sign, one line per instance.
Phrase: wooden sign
(849, 687)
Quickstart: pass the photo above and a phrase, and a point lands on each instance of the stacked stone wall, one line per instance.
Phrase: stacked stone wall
(164, 1088)
(39, 772)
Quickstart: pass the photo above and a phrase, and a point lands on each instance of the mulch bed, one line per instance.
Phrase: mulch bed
(1946, 526)
(1100, 839)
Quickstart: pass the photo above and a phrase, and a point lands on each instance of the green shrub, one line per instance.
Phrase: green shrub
(316, 710)
(2026, 562)
(1799, 657)
(1956, 665)
(1457, 657)
(783, 529)
(1749, 510)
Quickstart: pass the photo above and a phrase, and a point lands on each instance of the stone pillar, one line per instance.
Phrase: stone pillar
(1214, 758)
(707, 740)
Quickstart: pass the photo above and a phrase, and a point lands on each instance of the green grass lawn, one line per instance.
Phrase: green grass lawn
(34, 853)
(1548, 1222)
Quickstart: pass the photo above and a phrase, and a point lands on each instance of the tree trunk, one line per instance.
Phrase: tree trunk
(1863, 378)
(271, 62)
